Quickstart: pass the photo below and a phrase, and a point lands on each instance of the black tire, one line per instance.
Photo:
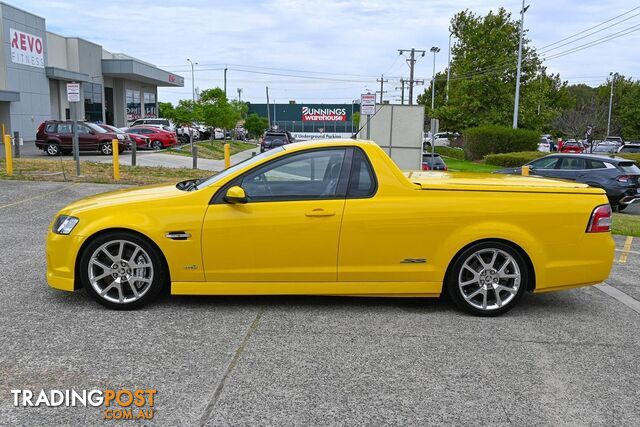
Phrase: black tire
(106, 149)
(620, 208)
(159, 272)
(52, 149)
(157, 145)
(473, 304)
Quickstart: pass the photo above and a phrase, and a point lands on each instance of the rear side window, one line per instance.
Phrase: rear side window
(594, 164)
(629, 167)
(362, 182)
(50, 128)
(65, 128)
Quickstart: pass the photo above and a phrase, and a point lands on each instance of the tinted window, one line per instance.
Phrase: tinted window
(362, 182)
(65, 128)
(544, 163)
(573, 163)
(629, 167)
(50, 128)
(595, 164)
(630, 150)
(309, 175)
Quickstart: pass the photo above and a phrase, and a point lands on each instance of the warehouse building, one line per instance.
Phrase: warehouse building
(36, 65)
(307, 121)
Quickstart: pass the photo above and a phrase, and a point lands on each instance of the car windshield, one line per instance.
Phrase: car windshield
(95, 127)
(233, 169)
(629, 167)
(112, 129)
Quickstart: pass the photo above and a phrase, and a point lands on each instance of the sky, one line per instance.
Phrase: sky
(340, 46)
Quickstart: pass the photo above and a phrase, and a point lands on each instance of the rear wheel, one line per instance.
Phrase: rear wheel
(106, 149)
(122, 271)
(620, 208)
(488, 279)
(53, 149)
(157, 145)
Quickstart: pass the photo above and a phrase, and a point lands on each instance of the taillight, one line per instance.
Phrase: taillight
(446, 168)
(425, 167)
(623, 178)
(600, 221)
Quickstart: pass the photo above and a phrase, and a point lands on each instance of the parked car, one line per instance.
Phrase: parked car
(165, 123)
(183, 133)
(56, 137)
(141, 141)
(617, 139)
(604, 148)
(631, 147)
(572, 146)
(343, 220)
(122, 135)
(441, 139)
(159, 138)
(617, 176)
(544, 145)
(433, 162)
(273, 139)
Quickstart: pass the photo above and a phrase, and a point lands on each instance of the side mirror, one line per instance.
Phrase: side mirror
(236, 195)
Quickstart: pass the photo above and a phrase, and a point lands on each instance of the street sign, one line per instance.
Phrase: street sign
(368, 104)
(73, 92)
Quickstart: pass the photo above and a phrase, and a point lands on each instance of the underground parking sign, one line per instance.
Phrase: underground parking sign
(73, 92)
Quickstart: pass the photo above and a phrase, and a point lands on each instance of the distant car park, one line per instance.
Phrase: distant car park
(605, 149)
(617, 176)
(159, 138)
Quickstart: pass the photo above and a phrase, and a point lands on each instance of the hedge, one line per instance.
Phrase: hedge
(630, 156)
(512, 160)
(454, 153)
(492, 139)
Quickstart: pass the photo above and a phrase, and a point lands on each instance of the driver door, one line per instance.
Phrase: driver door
(288, 230)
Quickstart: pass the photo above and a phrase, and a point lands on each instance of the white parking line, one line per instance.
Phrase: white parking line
(630, 302)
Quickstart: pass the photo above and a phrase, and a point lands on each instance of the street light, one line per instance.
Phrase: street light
(613, 79)
(193, 80)
(435, 50)
(448, 70)
(517, 100)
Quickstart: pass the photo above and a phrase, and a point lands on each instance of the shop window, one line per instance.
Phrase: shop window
(150, 108)
(133, 104)
(92, 102)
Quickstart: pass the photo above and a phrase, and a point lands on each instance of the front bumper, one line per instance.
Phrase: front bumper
(61, 253)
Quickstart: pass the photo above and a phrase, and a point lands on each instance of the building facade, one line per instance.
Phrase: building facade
(36, 65)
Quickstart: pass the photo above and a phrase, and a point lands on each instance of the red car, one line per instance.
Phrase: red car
(159, 138)
(572, 147)
(141, 141)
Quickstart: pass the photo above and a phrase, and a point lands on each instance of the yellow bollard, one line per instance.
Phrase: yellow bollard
(116, 159)
(227, 155)
(525, 170)
(8, 155)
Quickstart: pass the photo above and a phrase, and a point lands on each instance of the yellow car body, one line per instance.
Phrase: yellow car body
(400, 241)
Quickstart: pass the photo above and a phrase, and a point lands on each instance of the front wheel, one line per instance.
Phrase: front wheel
(122, 271)
(106, 149)
(53, 149)
(488, 279)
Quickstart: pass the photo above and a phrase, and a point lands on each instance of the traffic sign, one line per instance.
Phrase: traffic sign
(368, 104)
(73, 92)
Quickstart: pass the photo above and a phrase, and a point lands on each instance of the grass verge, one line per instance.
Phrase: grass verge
(626, 224)
(211, 149)
(65, 170)
(457, 165)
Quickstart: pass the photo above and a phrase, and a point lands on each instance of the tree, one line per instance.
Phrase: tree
(215, 109)
(165, 110)
(185, 113)
(356, 120)
(255, 125)
(483, 77)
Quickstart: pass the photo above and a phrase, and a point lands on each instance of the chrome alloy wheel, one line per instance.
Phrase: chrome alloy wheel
(489, 279)
(120, 271)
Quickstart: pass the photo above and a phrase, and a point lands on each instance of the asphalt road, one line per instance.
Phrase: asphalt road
(561, 358)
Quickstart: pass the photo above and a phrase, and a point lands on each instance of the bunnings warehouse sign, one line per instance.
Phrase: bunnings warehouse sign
(324, 114)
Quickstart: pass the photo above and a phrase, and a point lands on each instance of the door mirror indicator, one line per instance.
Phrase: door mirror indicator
(236, 195)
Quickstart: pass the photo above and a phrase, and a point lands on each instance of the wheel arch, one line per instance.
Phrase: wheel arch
(77, 285)
(531, 269)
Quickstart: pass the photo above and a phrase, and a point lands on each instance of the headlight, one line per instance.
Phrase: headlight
(64, 224)
(120, 136)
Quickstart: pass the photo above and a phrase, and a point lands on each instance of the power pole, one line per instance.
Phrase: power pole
(239, 94)
(519, 72)
(382, 81)
(268, 109)
(446, 96)
(402, 81)
(193, 80)
(435, 50)
(613, 79)
(412, 62)
(225, 80)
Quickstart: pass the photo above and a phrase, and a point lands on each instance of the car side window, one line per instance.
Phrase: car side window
(572, 163)
(362, 181)
(595, 164)
(65, 128)
(50, 128)
(83, 129)
(545, 163)
(306, 176)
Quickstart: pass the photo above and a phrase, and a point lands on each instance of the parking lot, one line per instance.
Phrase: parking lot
(569, 357)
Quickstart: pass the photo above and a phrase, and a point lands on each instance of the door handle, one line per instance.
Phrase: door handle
(320, 212)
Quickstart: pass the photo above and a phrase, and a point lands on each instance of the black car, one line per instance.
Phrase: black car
(433, 162)
(273, 139)
(617, 176)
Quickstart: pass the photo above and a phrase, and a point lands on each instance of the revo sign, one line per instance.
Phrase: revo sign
(26, 49)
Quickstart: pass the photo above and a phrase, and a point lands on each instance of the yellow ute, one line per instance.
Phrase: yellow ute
(334, 218)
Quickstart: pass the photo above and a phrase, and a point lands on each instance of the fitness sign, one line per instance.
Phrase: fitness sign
(324, 114)
(26, 49)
